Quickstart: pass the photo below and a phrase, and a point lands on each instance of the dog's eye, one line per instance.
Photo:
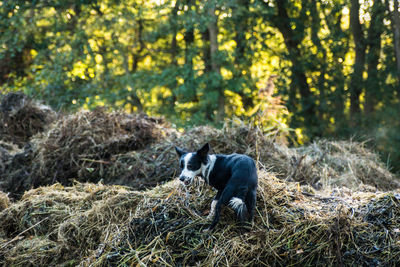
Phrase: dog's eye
(181, 165)
(191, 166)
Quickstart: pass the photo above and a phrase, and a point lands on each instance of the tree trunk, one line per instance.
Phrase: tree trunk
(356, 83)
(137, 54)
(174, 46)
(105, 61)
(174, 43)
(189, 40)
(339, 49)
(299, 79)
(240, 33)
(205, 36)
(213, 31)
(322, 64)
(395, 21)
(136, 57)
(374, 49)
(240, 15)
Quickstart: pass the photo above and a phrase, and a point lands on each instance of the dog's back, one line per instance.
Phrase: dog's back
(237, 169)
(235, 176)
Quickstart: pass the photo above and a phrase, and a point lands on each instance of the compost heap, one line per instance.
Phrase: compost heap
(81, 146)
(100, 225)
(327, 203)
(21, 118)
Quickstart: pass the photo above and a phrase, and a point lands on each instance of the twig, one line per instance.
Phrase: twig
(96, 161)
(23, 232)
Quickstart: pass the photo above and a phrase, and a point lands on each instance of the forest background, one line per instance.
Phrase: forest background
(303, 69)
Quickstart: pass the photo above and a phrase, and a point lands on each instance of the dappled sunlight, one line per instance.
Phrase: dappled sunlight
(205, 62)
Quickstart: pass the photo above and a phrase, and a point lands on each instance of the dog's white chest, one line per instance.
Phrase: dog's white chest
(208, 168)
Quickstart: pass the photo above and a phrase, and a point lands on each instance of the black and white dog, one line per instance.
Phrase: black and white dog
(234, 176)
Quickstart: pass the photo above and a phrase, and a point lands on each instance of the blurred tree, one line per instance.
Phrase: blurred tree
(214, 54)
(356, 83)
(309, 68)
(338, 46)
(375, 30)
(395, 20)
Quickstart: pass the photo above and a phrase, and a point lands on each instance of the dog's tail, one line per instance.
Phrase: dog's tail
(240, 207)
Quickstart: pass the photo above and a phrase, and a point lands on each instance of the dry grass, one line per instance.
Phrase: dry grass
(319, 204)
(15, 165)
(63, 221)
(21, 118)
(4, 201)
(137, 151)
(81, 146)
(333, 163)
(100, 225)
(321, 164)
(157, 162)
(75, 146)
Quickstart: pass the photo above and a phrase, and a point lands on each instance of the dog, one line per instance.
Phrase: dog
(234, 176)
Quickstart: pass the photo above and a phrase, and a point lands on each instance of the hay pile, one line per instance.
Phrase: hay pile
(157, 162)
(54, 225)
(81, 146)
(302, 217)
(327, 163)
(15, 177)
(137, 151)
(321, 164)
(21, 118)
(102, 225)
(343, 163)
(291, 228)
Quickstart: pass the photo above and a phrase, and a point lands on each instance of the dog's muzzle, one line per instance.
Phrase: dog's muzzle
(185, 180)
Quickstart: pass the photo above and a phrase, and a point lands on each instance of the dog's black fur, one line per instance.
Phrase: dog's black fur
(234, 176)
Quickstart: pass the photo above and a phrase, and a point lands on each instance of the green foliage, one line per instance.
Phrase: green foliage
(158, 57)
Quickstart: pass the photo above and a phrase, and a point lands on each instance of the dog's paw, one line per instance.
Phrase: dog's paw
(211, 216)
(206, 230)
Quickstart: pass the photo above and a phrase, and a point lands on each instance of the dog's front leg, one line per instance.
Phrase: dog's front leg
(214, 204)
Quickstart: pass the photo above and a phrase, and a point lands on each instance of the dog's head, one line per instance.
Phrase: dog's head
(191, 163)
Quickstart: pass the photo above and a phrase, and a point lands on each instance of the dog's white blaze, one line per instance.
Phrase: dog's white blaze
(208, 168)
(237, 204)
(188, 173)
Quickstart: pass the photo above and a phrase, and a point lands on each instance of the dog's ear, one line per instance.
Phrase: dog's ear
(179, 151)
(203, 151)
